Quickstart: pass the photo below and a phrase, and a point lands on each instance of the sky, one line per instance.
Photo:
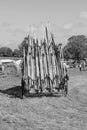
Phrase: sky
(64, 18)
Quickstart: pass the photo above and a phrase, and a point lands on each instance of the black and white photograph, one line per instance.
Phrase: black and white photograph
(43, 64)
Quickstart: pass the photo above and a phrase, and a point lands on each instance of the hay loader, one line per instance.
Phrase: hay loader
(43, 71)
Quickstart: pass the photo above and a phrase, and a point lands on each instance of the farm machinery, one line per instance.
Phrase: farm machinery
(42, 68)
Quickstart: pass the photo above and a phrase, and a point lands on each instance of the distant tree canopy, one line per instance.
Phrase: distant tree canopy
(23, 44)
(16, 53)
(19, 51)
(5, 51)
(8, 52)
(76, 48)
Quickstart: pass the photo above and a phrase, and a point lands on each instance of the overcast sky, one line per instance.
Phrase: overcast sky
(63, 17)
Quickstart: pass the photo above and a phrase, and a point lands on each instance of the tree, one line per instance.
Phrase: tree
(16, 53)
(76, 48)
(24, 44)
(20, 47)
(5, 51)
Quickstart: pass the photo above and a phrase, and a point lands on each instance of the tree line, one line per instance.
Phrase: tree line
(8, 52)
(76, 49)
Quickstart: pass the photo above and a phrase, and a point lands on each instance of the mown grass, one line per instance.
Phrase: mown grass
(44, 113)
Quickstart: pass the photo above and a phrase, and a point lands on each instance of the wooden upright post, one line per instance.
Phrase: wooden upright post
(47, 53)
(35, 67)
(28, 66)
(38, 52)
(24, 60)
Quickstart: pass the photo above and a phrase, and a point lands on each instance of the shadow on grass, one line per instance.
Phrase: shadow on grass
(16, 92)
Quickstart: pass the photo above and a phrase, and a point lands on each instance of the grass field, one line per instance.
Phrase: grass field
(44, 113)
